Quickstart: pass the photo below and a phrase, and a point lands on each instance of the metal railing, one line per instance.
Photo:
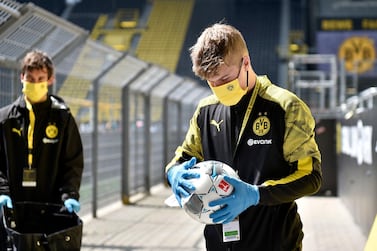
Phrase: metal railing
(323, 82)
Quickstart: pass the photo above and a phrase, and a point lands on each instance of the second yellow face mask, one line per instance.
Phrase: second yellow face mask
(35, 91)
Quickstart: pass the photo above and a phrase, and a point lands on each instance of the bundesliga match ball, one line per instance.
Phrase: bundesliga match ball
(210, 186)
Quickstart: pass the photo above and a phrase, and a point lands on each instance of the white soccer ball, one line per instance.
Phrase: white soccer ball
(210, 186)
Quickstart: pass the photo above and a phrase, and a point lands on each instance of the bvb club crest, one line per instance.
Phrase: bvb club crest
(51, 131)
(358, 53)
(261, 125)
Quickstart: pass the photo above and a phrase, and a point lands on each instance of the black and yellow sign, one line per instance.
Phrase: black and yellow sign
(358, 54)
(347, 24)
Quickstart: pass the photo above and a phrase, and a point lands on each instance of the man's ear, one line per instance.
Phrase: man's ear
(246, 60)
(51, 81)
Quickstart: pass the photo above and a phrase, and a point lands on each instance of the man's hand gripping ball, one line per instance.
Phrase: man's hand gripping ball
(179, 176)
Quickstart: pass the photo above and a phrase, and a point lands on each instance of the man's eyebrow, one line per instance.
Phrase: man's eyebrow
(29, 77)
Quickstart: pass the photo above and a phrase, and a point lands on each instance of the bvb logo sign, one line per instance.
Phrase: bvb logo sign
(261, 125)
(358, 53)
(51, 131)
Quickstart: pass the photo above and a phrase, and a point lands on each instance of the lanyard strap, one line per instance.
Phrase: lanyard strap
(30, 132)
(248, 111)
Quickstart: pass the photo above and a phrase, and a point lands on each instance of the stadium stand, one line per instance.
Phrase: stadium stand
(162, 40)
(117, 30)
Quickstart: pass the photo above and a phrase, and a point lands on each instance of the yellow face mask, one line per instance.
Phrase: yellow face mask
(229, 93)
(35, 91)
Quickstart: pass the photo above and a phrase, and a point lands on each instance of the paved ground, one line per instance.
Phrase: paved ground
(149, 225)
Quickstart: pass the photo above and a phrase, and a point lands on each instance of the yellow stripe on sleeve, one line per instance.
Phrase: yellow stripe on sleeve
(304, 167)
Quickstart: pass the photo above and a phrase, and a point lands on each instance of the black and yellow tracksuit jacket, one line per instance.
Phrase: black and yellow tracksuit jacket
(56, 151)
(268, 138)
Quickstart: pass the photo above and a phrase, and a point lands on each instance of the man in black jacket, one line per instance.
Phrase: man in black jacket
(41, 154)
(264, 132)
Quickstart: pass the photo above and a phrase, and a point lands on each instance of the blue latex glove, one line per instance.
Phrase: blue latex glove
(5, 200)
(72, 205)
(179, 177)
(243, 196)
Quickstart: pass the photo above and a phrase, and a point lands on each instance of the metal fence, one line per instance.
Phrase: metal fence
(325, 84)
(131, 114)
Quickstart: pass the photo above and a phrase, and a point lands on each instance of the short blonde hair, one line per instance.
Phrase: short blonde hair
(218, 44)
